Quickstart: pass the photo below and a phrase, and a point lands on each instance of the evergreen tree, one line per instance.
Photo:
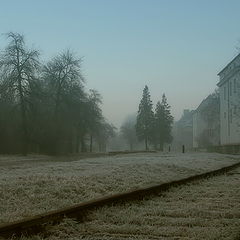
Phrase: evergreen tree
(145, 118)
(163, 123)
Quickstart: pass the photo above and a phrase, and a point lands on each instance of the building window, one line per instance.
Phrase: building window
(230, 88)
(225, 115)
(234, 85)
(225, 91)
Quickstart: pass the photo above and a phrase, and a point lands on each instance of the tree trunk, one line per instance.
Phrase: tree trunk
(155, 146)
(57, 97)
(131, 146)
(161, 147)
(91, 143)
(99, 147)
(146, 144)
(56, 120)
(83, 147)
(25, 134)
(77, 143)
(24, 119)
(104, 147)
(70, 145)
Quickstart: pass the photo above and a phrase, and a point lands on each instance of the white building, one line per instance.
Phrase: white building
(198, 126)
(206, 123)
(229, 82)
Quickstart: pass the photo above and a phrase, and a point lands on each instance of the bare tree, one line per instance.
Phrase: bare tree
(45, 109)
(95, 115)
(105, 132)
(63, 81)
(62, 73)
(18, 67)
(128, 131)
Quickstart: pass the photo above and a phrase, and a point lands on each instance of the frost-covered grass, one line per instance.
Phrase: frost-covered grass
(208, 209)
(36, 184)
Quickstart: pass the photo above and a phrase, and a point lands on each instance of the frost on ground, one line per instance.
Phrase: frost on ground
(33, 185)
(208, 209)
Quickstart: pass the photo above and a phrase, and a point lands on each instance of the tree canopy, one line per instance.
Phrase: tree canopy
(45, 107)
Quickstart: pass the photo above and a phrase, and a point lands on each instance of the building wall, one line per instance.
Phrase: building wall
(224, 128)
(199, 125)
(195, 130)
(206, 132)
(229, 88)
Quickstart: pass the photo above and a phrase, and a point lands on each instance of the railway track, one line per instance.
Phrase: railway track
(208, 209)
(37, 223)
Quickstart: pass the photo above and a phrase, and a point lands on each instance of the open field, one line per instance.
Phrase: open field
(208, 209)
(36, 184)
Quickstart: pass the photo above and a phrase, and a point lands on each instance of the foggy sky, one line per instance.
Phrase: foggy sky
(174, 47)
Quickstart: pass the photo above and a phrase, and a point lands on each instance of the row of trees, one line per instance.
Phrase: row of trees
(45, 108)
(151, 127)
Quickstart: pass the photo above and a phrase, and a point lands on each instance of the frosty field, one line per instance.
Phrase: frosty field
(208, 209)
(36, 184)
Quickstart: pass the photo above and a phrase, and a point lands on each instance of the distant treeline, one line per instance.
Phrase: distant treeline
(44, 107)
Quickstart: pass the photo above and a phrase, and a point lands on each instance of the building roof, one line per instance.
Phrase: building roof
(228, 64)
(205, 101)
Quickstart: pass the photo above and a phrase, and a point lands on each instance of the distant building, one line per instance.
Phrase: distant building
(206, 122)
(183, 131)
(229, 82)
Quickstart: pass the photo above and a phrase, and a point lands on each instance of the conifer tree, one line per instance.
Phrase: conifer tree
(163, 123)
(145, 118)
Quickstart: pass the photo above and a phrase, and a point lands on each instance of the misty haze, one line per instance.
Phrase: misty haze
(119, 119)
